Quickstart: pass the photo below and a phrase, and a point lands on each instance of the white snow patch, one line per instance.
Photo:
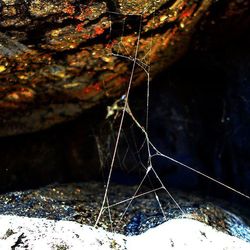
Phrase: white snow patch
(185, 234)
(182, 234)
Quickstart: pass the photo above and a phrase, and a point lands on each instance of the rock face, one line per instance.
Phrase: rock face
(59, 58)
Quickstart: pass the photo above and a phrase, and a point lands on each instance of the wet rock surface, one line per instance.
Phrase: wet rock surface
(82, 202)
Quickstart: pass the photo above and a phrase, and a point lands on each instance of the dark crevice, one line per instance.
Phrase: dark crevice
(18, 242)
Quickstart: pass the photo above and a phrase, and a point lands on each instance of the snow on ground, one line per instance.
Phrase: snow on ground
(182, 234)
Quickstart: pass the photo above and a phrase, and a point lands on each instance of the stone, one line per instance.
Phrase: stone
(60, 58)
(81, 202)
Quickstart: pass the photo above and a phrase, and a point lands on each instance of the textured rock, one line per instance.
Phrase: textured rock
(81, 203)
(58, 58)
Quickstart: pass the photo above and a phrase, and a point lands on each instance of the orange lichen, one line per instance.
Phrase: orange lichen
(99, 30)
(79, 27)
(95, 87)
(69, 9)
(88, 92)
(188, 12)
(93, 70)
(85, 13)
(86, 36)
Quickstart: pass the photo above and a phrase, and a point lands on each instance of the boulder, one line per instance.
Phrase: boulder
(62, 57)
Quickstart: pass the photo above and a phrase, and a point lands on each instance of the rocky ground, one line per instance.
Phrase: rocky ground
(63, 216)
(82, 203)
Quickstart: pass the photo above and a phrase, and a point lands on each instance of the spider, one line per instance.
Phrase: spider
(116, 107)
